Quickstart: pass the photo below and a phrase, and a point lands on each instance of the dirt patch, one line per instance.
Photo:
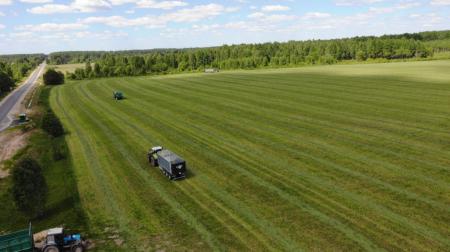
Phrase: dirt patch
(10, 143)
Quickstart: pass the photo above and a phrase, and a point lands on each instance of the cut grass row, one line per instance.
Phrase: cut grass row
(291, 160)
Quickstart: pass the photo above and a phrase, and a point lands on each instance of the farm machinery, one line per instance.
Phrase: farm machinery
(117, 95)
(57, 240)
(170, 164)
(52, 240)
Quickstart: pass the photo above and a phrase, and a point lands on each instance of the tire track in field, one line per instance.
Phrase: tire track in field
(318, 214)
(88, 152)
(258, 221)
(266, 84)
(379, 182)
(415, 160)
(327, 114)
(287, 105)
(130, 158)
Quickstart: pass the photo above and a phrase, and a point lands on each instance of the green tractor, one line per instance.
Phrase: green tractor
(117, 95)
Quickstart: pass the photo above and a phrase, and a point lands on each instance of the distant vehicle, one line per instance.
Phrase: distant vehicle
(57, 241)
(23, 118)
(170, 164)
(211, 70)
(117, 95)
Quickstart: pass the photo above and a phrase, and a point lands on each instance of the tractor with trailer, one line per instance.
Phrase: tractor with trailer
(170, 164)
(117, 95)
(53, 240)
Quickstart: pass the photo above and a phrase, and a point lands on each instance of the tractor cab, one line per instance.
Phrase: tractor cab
(152, 157)
(117, 95)
(57, 241)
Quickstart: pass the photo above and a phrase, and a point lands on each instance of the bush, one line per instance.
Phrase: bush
(29, 187)
(53, 77)
(6, 83)
(58, 150)
(52, 125)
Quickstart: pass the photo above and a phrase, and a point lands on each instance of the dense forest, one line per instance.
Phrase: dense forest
(13, 68)
(249, 56)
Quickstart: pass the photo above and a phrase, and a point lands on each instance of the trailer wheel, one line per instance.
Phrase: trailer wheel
(51, 248)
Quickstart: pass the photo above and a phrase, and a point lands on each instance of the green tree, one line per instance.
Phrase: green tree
(29, 187)
(52, 125)
(53, 77)
(6, 82)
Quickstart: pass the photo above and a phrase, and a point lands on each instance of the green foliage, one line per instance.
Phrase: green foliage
(29, 187)
(6, 82)
(63, 202)
(251, 56)
(18, 66)
(53, 77)
(52, 125)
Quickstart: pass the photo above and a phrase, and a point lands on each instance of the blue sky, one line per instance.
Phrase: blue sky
(28, 26)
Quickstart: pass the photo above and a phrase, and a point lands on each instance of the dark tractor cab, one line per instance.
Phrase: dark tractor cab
(58, 241)
(170, 164)
(117, 95)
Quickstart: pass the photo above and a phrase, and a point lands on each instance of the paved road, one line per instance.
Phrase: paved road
(10, 105)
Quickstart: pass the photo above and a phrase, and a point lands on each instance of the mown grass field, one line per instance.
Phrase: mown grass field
(332, 158)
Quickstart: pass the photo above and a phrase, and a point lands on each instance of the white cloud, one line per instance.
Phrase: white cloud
(119, 21)
(314, 15)
(75, 6)
(440, 2)
(197, 13)
(165, 5)
(36, 1)
(271, 8)
(194, 14)
(397, 7)
(51, 8)
(2, 26)
(5, 2)
(263, 17)
(356, 2)
(51, 27)
(120, 2)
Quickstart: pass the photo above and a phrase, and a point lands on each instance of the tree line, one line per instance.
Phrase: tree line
(249, 56)
(13, 68)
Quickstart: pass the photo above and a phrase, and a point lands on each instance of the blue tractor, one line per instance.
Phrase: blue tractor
(57, 241)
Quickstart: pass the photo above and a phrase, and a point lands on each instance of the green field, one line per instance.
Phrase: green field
(335, 158)
(67, 68)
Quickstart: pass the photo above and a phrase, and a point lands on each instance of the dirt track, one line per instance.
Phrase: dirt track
(10, 143)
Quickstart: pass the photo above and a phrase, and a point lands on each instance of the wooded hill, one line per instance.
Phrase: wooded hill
(249, 56)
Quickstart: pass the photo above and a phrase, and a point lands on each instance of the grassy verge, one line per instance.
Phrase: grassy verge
(63, 206)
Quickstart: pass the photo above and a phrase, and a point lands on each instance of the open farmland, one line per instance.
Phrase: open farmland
(67, 68)
(343, 158)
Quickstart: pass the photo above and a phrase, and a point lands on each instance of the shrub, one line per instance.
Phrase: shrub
(52, 125)
(6, 83)
(29, 187)
(53, 77)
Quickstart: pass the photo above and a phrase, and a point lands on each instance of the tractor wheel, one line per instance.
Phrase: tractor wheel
(77, 248)
(154, 163)
(51, 248)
